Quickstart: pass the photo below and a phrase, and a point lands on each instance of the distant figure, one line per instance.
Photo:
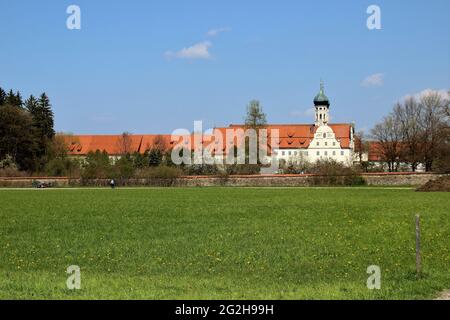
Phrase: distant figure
(112, 183)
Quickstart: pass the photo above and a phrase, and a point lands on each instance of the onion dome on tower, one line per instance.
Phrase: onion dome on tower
(321, 99)
(322, 105)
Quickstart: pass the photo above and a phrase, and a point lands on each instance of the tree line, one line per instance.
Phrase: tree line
(26, 131)
(416, 133)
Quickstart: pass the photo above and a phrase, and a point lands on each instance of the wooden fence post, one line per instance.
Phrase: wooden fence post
(418, 255)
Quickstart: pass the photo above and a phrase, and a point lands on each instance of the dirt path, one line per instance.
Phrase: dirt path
(444, 295)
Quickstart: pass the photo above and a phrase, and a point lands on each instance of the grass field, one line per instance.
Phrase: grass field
(222, 243)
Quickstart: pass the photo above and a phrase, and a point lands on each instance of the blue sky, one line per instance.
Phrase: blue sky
(125, 69)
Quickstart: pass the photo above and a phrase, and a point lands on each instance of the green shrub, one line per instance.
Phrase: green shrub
(123, 168)
(139, 160)
(97, 166)
(331, 172)
(63, 168)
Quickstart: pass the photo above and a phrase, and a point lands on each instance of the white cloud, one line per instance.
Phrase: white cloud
(197, 51)
(373, 80)
(310, 112)
(442, 92)
(215, 32)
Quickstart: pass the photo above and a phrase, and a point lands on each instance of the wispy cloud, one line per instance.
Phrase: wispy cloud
(442, 92)
(374, 80)
(217, 31)
(196, 51)
(303, 113)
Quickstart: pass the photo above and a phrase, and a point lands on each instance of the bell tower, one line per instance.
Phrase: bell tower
(322, 105)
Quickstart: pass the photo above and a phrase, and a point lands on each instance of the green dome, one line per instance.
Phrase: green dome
(321, 98)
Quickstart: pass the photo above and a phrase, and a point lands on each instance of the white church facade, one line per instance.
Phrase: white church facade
(319, 141)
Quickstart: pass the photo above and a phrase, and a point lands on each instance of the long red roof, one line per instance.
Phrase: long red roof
(297, 136)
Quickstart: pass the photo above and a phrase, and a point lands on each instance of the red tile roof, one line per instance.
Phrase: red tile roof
(300, 135)
(291, 137)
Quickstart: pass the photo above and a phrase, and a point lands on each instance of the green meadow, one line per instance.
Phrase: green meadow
(222, 243)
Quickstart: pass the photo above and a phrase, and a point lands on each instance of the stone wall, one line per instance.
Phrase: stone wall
(372, 179)
(379, 179)
(399, 179)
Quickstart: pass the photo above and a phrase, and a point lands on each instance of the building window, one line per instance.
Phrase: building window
(282, 153)
(334, 153)
(342, 153)
(326, 153)
(326, 143)
(295, 153)
(318, 143)
(318, 153)
(289, 153)
(324, 135)
(334, 144)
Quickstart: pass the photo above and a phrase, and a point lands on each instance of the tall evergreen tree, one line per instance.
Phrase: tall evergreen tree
(43, 117)
(42, 120)
(155, 157)
(2, 97)
(31, 104)
(14, 99)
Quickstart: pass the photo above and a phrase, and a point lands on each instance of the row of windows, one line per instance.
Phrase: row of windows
(325, 153)
(295, 153)
(326, 143)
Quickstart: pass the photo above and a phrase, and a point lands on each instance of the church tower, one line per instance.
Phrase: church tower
(322, 105)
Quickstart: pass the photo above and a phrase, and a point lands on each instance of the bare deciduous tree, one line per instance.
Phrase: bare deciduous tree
(432, 122)
(416, 132)
(125, 143)
(409, 114)
(160, 143)
(388, 135)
